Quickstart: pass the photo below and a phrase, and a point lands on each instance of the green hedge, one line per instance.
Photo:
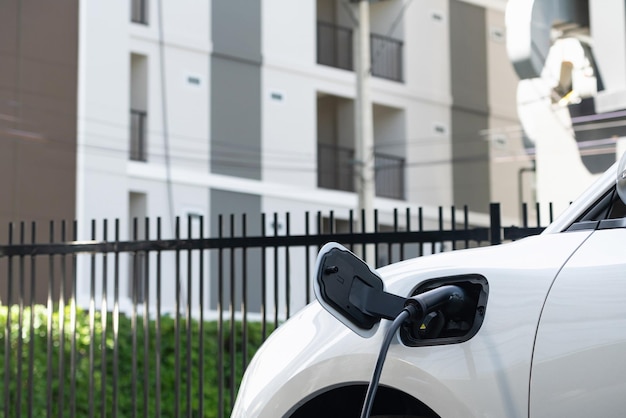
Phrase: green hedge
(87, 371)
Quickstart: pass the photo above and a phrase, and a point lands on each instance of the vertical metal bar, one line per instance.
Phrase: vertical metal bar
(7, 331)
(276, 283)
(307, 260)
(420, 228)
(188, 302)
(395, 229)
(350, 226)
(116, 323)
(363, 248)
(453, 225)
(31, 330)
(525, 215)
(220, 322)
(62, 291)
(103, 324)
(287, 272)
(188, 322)
(440, 226)
(146, 323)
(73, 322)
(133, 323)
(49, 310)
(496, 224)
(244, 297)
(201, 322)
(177, 326)
(231, 309)
(20, 324)
(92, 323)
(263, 282)
(466, 222)
(158, 327)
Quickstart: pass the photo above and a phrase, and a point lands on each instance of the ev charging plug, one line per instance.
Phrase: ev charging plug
(449, 299)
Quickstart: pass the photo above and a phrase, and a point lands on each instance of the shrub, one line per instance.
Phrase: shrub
(66, 362)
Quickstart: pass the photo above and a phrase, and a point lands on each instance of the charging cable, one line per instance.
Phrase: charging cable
(415, 307)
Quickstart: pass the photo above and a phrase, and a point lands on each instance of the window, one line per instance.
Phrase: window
(608, 212)
(138, 107)
(139, 11)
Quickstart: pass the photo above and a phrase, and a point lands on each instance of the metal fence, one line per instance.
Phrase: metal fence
(149, 326)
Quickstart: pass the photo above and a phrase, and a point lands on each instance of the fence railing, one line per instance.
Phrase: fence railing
(335, 49)
(80, 335)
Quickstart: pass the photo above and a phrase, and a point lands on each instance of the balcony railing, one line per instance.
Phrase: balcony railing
(335, 170)
(335, 167)
(334, 46)
(389, 176)
(335, 49)
(139, 11)
(386, 57)
(138, 137)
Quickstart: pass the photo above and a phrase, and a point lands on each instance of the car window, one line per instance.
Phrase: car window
(607, 212)
(617, 209)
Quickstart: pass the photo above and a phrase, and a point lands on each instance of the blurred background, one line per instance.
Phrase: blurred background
(162, 108)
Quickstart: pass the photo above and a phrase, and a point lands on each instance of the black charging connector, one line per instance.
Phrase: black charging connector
(448, 298)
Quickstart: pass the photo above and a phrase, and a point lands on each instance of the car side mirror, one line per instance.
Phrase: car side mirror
(352, 291)
(620, 181)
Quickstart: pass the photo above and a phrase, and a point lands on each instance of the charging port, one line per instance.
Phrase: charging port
(449, 325)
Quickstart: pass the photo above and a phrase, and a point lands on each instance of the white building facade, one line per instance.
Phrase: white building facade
(193, 109)
(182, 99)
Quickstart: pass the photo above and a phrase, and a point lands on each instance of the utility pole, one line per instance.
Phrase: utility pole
(364, 130)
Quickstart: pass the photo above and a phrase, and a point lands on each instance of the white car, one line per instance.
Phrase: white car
(540, 332)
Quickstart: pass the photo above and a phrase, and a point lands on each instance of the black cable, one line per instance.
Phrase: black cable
(408, 312)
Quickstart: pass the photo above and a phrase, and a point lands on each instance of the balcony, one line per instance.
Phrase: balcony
(335, 170)
(335, 49)
(138, 135)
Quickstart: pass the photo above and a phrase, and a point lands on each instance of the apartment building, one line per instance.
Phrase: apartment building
(166, 109)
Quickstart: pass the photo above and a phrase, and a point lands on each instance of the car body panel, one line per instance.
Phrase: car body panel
(486, 376)
(578, 361)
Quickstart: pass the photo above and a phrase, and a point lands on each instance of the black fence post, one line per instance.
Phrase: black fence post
(495, 224)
